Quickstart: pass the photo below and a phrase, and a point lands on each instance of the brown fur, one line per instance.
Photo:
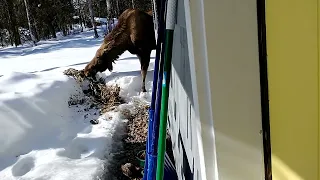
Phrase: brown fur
(150, 12)
(135, 33)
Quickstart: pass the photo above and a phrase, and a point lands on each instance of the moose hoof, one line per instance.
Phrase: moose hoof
(143, 90)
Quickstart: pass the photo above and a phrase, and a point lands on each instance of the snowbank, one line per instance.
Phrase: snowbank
(42, 137)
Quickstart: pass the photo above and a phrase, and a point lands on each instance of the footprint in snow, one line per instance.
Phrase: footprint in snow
(23, 166)
(77, 149)
(74, 151)
(83, 147)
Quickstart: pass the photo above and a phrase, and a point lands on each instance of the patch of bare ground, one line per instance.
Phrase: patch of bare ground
(124, 165)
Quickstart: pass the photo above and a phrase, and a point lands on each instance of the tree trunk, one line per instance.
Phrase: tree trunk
(52, 30)
(13, 24)
(118, 9)
(36, 31)
(132, 1)
(108, 8)
(1, 38)
(11, 37)
(30, 22)
(92, 19)
(81, 21)
(64, 31)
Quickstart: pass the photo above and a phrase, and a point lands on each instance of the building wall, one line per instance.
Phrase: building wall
(214, 106)
(181, 110)
(231, 31)
(293, 75)
(185, 107)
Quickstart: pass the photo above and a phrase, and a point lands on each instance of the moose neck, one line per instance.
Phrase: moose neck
(115, 52)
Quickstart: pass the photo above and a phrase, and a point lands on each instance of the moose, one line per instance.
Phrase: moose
(135, 33)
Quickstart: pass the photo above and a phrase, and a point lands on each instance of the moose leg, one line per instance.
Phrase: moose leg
(144, 62)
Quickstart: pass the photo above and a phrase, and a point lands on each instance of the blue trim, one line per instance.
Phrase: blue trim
(164, 81)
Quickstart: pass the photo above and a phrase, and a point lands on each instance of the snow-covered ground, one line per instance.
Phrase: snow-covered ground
(41, 137)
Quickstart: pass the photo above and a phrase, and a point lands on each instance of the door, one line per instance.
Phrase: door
(293, 77)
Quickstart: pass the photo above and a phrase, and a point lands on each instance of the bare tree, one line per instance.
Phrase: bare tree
(118, 10)
(14, 32)
(92, 19)
(30, 22)
(108, 7)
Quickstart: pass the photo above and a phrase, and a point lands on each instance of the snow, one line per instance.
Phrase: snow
(42, 137)
(100, 20)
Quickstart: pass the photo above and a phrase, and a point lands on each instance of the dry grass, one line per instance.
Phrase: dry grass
(106, 98)
(101, 95)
